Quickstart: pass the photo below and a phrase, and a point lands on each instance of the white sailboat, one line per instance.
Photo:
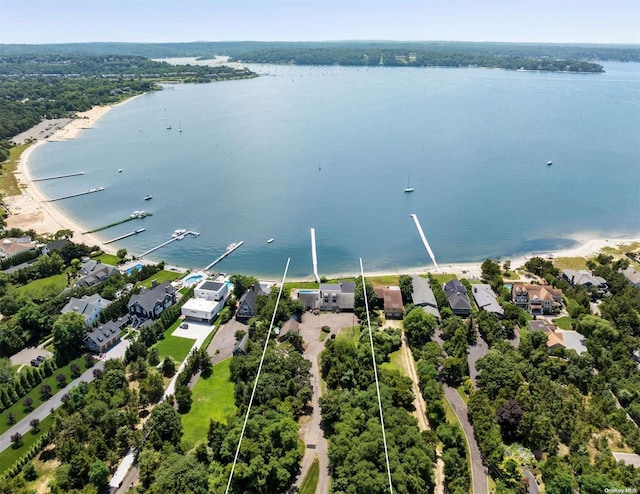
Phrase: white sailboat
(408, 188)
(179, 126)
(168, 125)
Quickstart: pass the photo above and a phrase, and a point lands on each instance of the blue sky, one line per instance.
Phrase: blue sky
(561, 21)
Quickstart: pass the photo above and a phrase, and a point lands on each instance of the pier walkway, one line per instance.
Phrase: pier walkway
(90, 191)
(425, 242)
(229, 250)
(135, 232)
(314, 255)
(57, 176)
(174, 237)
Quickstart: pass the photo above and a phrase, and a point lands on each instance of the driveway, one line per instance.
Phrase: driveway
(224, 340)
(26, 355)
(311, 431)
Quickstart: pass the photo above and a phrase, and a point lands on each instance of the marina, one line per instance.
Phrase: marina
(230, 249)
(134, 216)
(90, 191)
(135, 232)
(177, 235)
(66, 175)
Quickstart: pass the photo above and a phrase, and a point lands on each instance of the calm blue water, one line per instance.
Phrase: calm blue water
(333, 148)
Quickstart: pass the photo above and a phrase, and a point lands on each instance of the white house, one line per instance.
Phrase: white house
(88, 306)
(208, 301)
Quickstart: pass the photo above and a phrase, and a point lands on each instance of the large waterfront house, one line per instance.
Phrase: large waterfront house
(537, 299)
(208, 300)
(12, 246)
(458, 299)
(632, 276)
(391, 299)
(423, 296)
(105, 336)
(330, 296)
(149, 304)
(55, 246)
(88, 307)
(486, 299)
(247, 303)
(94, 272)
(585, 279)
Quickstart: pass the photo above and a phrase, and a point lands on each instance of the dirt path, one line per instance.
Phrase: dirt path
(410, 366)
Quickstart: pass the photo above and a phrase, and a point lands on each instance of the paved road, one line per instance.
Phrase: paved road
(311, 432)
(43, 411)
(479, 477)
(531, 482)
(475, 353)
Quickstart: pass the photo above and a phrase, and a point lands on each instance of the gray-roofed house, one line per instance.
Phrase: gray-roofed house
(585, 279)
(105, 336)
(392, 301)
(457, 297)
(631, 275)
(337, 296)
(55, 246)
(288, 327)
(423, 296)
(486, 299)
(240, 347)
(559, 338)
(149, 304)
(94, 272)
(88, 306)
(247, 303)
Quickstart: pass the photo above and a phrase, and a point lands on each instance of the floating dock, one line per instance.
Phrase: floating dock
(314, 256)
(135, 232)
(424, 241)
(57, 176)
(173, 238)
(134, 216)
(229, 250)
(90, 191)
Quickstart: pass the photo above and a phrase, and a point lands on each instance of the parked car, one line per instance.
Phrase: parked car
(41, 358)
(184, 325)
(35, 362)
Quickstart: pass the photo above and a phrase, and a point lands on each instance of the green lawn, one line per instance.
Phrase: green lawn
(107, 259)
(563, 322)
(350, 332)
(388, 280)
(443, 278)
(395, 362)
(463, 394)
(212, 398)
(45, 287)
(8, 182)
(576, 263)
(175, 347)
(9, 456)
(18, 408)
(161, 277)
(310, 481)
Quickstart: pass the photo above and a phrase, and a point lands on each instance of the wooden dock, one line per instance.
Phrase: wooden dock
(314, 255)
(90, 191)
(142, 214)
(229, 250)
(135, 232)
(425, 242)
(173, 238)
(57, 176)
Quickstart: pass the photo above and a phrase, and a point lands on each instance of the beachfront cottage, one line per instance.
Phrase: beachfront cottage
(55, 246)
(88, 307)
(106, 336)
(486, 299)
(94, 272)
(586, 280)
(458, 299)
(247, 304)
(423, 296)
(208, 301)
(392, 302)
(537, 299)
(632, 276)
(12, 246)
(150, 303)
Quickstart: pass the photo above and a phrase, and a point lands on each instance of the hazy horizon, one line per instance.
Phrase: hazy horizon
(165, 21)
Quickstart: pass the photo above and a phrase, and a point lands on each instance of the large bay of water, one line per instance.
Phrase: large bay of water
(333, 149)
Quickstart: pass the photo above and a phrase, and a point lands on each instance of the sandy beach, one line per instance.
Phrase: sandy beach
(30, 210)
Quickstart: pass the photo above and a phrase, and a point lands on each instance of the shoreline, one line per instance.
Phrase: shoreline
(30, 210)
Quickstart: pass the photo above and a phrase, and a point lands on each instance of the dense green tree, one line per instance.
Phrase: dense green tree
(419, 326)
(68, 332)
(165, 422)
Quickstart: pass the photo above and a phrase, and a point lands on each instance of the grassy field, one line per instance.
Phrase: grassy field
(350, 332)
(395, 362)
(161, 277)
(563, 322)
(18, 408)
(389, 280)
(107, 259)
(576, 263)
(212, 398)
(174, 346)
(45, 287)
(443, 278)
(8, 182)
(9, 456)
(310, 481)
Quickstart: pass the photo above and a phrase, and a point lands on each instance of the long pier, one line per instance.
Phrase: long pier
(314, 255)
(57, 176)
(90, 191)
(173, 238)
(135, 232)
(229, 250)
(134, 216)
(425, 242)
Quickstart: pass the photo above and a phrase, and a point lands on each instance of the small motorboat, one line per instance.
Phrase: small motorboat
(270, 240)
(148, 197)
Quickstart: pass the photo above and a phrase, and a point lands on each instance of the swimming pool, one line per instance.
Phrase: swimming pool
(306, 290)
(137, 267)
(192, 280)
